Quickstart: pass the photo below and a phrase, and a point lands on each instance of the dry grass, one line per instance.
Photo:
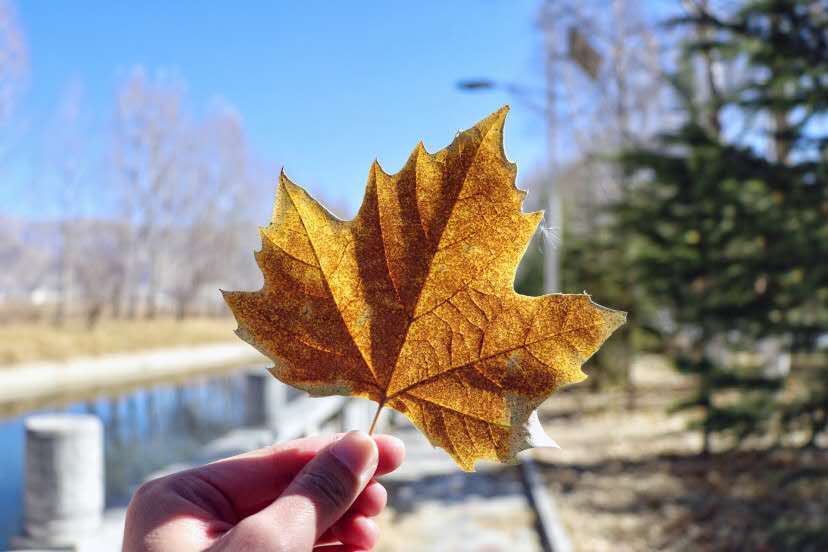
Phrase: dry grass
(633, 480)
(31, 341)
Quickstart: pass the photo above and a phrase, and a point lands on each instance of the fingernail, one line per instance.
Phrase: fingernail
(357, 452)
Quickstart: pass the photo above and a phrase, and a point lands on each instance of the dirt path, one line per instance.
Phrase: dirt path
(632, 480)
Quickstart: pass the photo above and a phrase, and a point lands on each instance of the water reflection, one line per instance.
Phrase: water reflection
(143, 431)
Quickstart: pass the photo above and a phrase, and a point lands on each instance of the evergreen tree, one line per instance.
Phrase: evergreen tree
(726, 216)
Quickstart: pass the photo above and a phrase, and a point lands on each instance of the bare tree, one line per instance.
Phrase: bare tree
(14, 60)
(150, 136)
(186, 188)
(18, 262)
(627, 98)
(64, 187)
(608, 60)
(23, 269)
(99, 267)
(14, 71)
(212, 203)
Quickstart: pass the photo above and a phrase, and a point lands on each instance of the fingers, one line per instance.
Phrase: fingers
(320, 494)
(368, 504)
(372, 500)
(391, 453)
(253, 480)
(356, 530)
(354, 527)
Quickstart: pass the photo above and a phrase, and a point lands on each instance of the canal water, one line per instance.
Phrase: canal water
(143, 431)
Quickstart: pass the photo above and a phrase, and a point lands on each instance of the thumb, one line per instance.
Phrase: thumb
(321, 493)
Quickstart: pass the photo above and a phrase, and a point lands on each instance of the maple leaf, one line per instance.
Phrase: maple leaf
(411, 304)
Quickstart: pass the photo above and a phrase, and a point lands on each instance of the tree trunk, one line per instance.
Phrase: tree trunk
(181, 309)
(93, 315)
(706, 445)
(150, 311)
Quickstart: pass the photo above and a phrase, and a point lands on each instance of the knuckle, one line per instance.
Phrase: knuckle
(331, 488)
(149, 491)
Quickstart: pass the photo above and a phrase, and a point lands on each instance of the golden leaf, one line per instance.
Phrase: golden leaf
(411, 304)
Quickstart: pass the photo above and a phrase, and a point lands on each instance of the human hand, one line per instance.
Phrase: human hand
(290, 497)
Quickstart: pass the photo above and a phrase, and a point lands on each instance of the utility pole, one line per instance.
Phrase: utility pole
(554, 218)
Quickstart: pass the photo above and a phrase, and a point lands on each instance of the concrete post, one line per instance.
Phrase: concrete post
(357, 414)
(311, 428)
(64, 492)
(266, 398)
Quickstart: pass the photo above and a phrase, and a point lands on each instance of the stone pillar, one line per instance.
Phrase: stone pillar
(358, 414)
(311, 428)
(266, 398)
(64, 479)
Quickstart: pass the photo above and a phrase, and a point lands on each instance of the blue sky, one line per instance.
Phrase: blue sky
(322, 87)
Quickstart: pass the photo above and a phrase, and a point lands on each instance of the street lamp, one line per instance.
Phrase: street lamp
(476, 84)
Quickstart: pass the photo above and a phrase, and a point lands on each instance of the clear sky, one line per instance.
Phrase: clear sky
(322, 87)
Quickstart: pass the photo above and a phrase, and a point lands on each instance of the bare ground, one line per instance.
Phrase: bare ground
(633, 479)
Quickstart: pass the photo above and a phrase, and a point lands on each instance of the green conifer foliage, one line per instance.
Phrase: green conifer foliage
(726, 218)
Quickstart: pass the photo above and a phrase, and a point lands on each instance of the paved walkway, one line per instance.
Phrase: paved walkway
(434, 506)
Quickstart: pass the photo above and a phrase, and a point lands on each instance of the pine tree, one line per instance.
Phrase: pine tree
(727, 230)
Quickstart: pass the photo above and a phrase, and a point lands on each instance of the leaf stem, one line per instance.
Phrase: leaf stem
(376, 417)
